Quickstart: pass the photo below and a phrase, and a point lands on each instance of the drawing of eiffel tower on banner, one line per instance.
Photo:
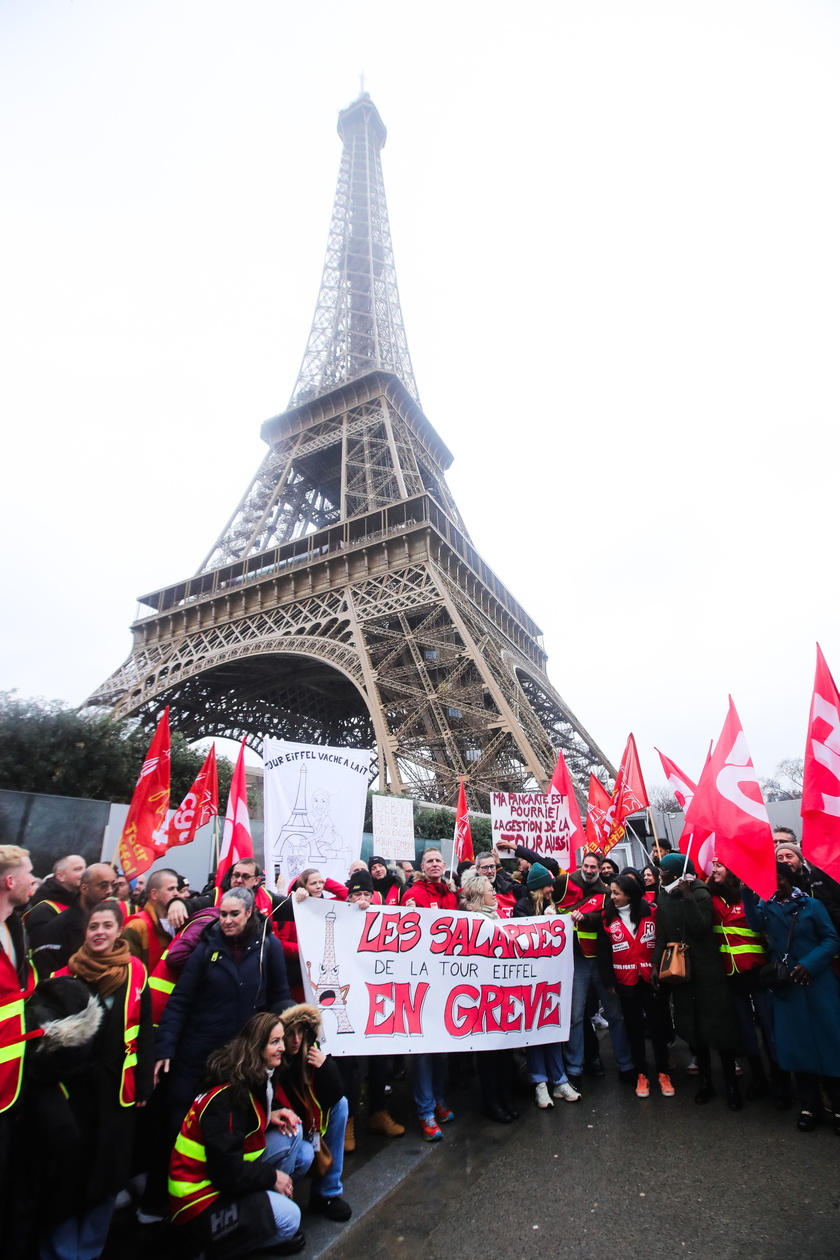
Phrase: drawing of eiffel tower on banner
(343, 602)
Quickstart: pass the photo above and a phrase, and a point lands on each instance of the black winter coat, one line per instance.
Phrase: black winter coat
(214, 998)
(703, 1013)
(59, 939)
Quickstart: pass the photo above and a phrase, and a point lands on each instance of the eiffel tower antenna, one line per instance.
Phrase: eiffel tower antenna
(344, 603)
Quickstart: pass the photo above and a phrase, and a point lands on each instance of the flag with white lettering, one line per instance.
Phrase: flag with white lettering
(199, 805)
(142, 833)
(729, 807)
(599, 803)
(821, 779)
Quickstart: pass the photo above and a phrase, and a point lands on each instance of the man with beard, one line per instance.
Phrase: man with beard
(54, 895)
(586, 916)
(65, 933)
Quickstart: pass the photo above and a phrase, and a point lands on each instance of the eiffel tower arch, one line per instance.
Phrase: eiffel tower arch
(343, 602)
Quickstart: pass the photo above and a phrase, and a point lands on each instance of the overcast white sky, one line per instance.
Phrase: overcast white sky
(616, 236)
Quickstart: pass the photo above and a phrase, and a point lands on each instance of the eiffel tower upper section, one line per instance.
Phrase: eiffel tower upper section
(343, 602)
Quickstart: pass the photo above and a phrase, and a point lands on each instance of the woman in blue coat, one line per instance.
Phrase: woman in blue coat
(806, 1014)
(236, 969)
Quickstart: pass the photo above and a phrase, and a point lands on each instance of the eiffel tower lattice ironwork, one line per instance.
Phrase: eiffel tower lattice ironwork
(344, 602)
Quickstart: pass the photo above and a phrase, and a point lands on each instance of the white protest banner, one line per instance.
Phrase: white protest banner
(393, 827)
(538, 820)
(402, 981)
(314, 808)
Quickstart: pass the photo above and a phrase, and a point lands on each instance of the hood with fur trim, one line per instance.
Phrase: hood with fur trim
(303, 1013)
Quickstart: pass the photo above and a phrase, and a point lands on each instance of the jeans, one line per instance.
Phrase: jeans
(545, 1063)
(80, 1237)
(429, 1080)
(288, 1153)
(586, 973)
(329, 1185)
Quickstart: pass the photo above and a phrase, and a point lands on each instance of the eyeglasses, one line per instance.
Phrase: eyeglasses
(487, 868)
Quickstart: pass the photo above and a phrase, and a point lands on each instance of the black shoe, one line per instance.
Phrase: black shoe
(291, 1246)
(334, 1207)
(734, 1101)
(499, 1114)
(807, 1121)
(629, 1076)
(574, 1081)
(595, 1067)
(705, 1093)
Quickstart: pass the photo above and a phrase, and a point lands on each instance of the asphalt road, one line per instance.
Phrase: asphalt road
(611, 1175)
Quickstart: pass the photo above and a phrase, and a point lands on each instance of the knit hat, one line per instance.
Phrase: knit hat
(359, 881)
(794, 848)
(676, 862)
(538, 877)
(378, 861)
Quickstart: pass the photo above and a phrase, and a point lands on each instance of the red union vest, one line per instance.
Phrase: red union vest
(741, 948)
(632, 956)
(588, 937)
(13, 1034)
(131, 1027)
(190, 1188)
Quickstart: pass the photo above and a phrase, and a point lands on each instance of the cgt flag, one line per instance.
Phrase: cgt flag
(561, 783)
(821, 780)
(236, 838)
(599, 803)
(629, 796)
(462, 845)
(729, 813)
(138, 845)
(197, 808)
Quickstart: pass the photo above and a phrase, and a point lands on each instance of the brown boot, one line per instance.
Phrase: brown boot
(381, 1122)
(350, 1136)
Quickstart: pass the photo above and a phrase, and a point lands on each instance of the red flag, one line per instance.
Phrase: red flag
(629, 796)
(679, 782)
(462, 845)
(821, 780)
(236, 838)
(569, 822)
(199, 805)
(729, 807)
(147, 812)
(599, 803)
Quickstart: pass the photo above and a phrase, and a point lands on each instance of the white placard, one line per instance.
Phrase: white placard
(314, 808)
(538, 820)
(393, 828)
(401, 981)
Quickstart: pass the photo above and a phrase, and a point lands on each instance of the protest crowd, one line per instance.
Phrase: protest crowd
(158, 1056)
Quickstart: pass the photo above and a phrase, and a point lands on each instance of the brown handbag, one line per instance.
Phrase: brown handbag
(675, 967)
(323, 1160)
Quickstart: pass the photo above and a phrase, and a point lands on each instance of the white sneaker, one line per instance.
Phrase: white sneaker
(598, 1021)
(541, 1098)
(148, 1218)
(566, 1091)
(124, 1200)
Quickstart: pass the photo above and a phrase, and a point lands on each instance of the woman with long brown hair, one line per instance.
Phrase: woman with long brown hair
(239, 1153)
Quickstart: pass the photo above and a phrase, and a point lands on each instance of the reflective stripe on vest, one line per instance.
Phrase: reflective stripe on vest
(161, 982)
(190, 1189)
(588, 940)
(741, 948)
(135, 984)
(13, 1034)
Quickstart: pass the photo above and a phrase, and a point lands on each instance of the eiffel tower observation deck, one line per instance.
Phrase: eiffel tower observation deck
(343, 603)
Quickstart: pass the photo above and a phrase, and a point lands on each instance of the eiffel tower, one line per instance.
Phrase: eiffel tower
(343, 602)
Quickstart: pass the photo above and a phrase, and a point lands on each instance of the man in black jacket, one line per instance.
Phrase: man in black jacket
(54, 895)
(59, 939)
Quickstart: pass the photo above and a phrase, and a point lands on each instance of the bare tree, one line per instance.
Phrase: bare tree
(663, 799)
(785, 784)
